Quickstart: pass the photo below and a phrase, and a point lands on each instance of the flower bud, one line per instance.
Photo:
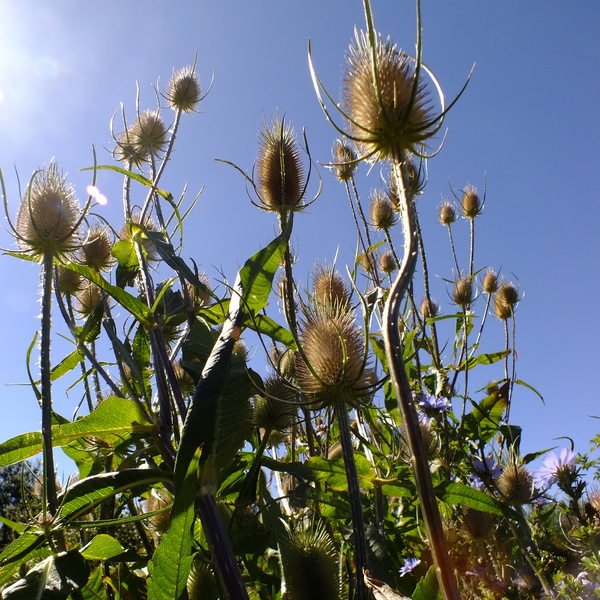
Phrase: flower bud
(149, 134)
(274, 410)
(515, 484)
(68, 282)
(329, 288)
(88, 298)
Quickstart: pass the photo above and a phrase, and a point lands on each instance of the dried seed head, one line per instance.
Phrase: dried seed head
(95, 250)
(462, 295)
(48, 214)
(88, 298)
(310, 564)
(127, 151)
(202, 583)
(148, 133)
(515, 484)
(477, 524)
(334, 348)
(183, 92)
(68, 282)
(198, 297)
(159, 499)
(343, 158)
(446, 213)
(284, 361)
(387, 262)
(329, 288)
(501, 310)
(274, 410)
(184, 379)
(508, 294)
(470, 203)
(383, 216)
(429, 308)
(387, 122)
(280, 172)
(490, 282)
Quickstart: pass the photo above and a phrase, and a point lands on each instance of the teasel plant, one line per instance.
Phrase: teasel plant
(387, 107)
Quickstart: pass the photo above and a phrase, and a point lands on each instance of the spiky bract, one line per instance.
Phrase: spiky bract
(48, 215)
(386, 119)
(183, 92)
(329, 288)
(280, 182)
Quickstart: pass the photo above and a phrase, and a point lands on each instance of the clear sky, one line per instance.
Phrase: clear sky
(528, 123)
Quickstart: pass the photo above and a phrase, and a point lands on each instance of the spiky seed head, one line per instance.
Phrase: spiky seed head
(383, 216)
(126, 150)
(470, 202)
(477, 524)
(184, 379)
(310, 564)
(490, 282)
(202, 583)
(515, 483)
(284, 360)
(387, 262)
(446, 213)
(343, 158)
(334, 348)
(198, 297)
(274, 408)
(159, 499)
(462, 294)
(68, 282)
(48, 214)
(429, 308)
(88, 298)
(183, 92)
(501, 310)
(389, 121)
(96, 248)
(280, 173)
(508, 294)
(148, 133)
(329, 288)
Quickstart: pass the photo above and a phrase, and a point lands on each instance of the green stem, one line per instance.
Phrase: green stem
(393, 346)
(358, 525)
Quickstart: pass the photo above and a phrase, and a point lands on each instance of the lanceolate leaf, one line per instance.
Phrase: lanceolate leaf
(266, 326)
(170, 565)
(458, 493)
(102, 547)
(487, 358)
(113, 418)
(23, 545)
(131, 174)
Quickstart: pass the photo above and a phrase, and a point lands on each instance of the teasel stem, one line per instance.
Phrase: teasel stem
(126, 193)
(511, 381)
(393, 346)
(49, 488)
(453, 249)
(483, 320)
(472, 245)
(358, 525)
(95, 376)
(361, 212)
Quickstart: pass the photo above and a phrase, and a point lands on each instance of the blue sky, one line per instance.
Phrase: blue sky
(528, 123)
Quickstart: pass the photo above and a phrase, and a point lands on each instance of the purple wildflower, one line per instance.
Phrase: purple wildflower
(485, 469)
(554, 465)
(428, 402)
(409, 565)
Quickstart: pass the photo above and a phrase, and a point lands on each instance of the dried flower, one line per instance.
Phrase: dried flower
(387, 262)
(505, 300)
(490, 282)
(446, 213)
(429, 308)
(95, 250)
(329, 288)
(387, 117)
(88, 298)
(515, 483)
(382, 212)
(470, 203)
(344, 161)
(274, 409)
(280, 173)
(127, 151)
(462, 295)
(68, 282)
(183, 92)
(48, 215)
(148, 134)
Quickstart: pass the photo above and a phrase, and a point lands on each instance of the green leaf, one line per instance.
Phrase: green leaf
(53, 579)
(427, 588)
(131, 175)
(23, 545)
(83, 496)
(486, 358)
(265, 325)
(128, 264)
(18, 527)
(102, 547)
(458, 493)
(113, 418)
(333, 472)
(171, 562)
(530, 387)
(66, 365)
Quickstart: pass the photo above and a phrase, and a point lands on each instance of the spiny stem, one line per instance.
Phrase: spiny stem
(393, 347)
(358, 525)
(451, 238)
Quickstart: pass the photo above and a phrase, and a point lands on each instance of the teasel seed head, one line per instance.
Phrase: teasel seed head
(329, 289)
(48, 214)
(334, 348)
(198, 297)
(462, 294)
(126, 150)
(383, 216)
(388, 124)
(470, 203)
(505, 300)
(88, 298)
(477, 524)
(274, 408)
(281, 181)
(429, 308)
(446, 213)
(202, 583)
(159, 499)
(387, 262)
(343, 158)
(515, 483)
(183, 92)
(489, 283)
(96, 248)
(310, 564)
(184, 379)
(68, 282)
(149, 134)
